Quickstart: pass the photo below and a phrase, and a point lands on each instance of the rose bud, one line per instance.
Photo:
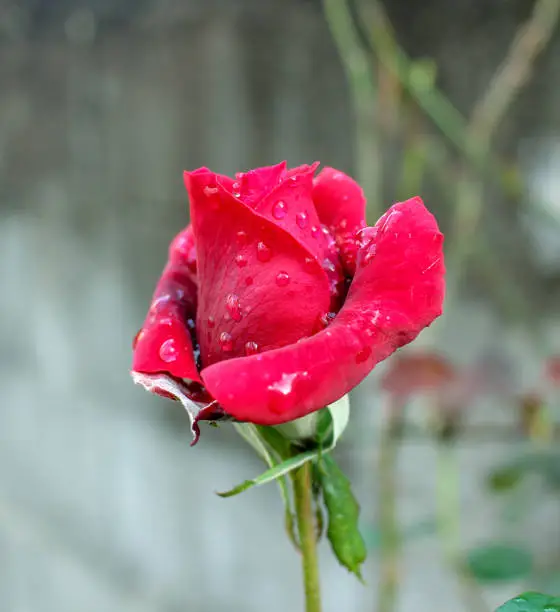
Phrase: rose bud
(277, 300)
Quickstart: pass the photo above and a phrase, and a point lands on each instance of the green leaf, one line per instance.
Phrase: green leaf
(273, 473)
(343, 513)
(546, 463)
(532, 602)
(505, 478)
(499, 562)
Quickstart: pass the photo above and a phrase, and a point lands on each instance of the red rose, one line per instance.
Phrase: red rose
(277, 300)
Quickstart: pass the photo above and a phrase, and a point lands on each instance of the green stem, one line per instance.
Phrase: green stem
(303, 501)
(388, 522)
(449, 523)
(363, 94)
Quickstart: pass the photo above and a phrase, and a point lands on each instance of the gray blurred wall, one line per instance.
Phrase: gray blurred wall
(103, 505)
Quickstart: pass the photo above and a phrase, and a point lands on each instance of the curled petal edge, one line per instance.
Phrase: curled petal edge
(398, 291)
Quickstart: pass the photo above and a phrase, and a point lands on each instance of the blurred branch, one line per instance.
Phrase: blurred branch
(515, 70)
(363, 93)
(487, 115)
(389, 577)
(449, 523)
(420, 84)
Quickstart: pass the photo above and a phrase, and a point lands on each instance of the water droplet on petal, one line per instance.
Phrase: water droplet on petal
(241, 261)
(329, 265)
(284, 385)
(302, 220)
(168, 351)
(242, 238)
(236, 189)
(251, 348)
(315, 231)
(368, 257)
(249, 281)
(279, 210)
(233, 306)
(309, 264)
(211, 322)
(282, 279)
(327, 318)
(160, 303)
(263, 252)
(190, 324)
(210, 191)
(362, 355)
(226, 342)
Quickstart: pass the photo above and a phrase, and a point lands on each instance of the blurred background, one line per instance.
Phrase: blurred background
(452, 446)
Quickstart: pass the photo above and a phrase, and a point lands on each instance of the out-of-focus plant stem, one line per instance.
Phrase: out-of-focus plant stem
(449, 523)
(305, 515)
(487, 115)
(390, 537)
(363, 92)
(420, 85)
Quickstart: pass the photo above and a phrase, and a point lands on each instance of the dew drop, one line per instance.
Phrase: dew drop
(282, 279)
(368, 258)
(226, 342)
(242, 238)
(241, 261)
(302, 220)
(233, 306)
(329, 265)
(249, 281)
(362, 355)
(160, 302)
(210, 191)
(251, 348)
(284, 385)
(263, 252)
(327, 318)
(315, 231)
(211, 323)
(279, 210)
(168, 351)
(190, 324)
(236, 187)
(309, 264)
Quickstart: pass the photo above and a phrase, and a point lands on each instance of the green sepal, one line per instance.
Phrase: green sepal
(275, 472)
(271, 449)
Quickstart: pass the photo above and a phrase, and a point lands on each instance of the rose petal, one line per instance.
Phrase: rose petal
(398, 290)
(341, 206)
(164, 343)
(259, 289)
(290, 206)
(255, 184)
